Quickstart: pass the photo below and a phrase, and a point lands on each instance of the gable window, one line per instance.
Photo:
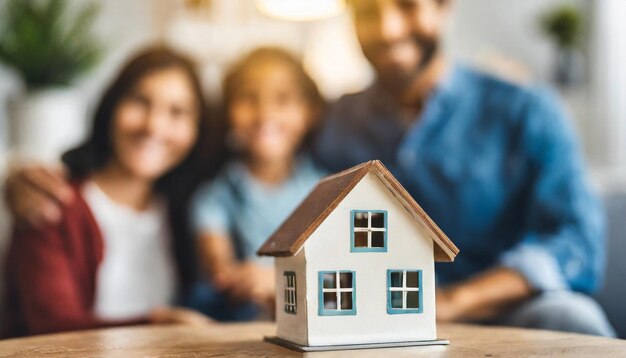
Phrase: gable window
(337, 293)
(404, 291)
(290, 292)
(368, 231)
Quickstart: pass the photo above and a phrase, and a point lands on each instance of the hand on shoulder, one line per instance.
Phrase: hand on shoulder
(35, 194)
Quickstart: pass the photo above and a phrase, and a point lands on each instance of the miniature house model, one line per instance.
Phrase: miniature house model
(355, 264)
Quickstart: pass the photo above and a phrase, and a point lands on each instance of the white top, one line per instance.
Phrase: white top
(137, 272)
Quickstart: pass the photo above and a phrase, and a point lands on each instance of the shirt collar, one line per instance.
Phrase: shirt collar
(445, 93)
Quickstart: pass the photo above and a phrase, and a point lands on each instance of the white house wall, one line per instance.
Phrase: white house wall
(291, 327)
(328, 249)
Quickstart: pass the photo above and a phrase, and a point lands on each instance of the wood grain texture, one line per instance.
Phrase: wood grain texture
(325, 197)
(245, 339)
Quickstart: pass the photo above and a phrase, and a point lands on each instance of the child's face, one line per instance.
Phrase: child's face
(268, 113)
(155, 124)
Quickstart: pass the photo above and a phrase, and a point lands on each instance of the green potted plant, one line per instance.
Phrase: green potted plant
(49, 47)
(563, 25)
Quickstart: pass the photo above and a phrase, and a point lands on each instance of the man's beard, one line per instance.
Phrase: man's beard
(400, 79)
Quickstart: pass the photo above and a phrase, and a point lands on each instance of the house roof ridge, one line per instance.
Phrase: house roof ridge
(347, 171)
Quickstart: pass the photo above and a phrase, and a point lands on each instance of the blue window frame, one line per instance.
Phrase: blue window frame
(404, 291)
(290, 292)
(337, 293)
(368, 231)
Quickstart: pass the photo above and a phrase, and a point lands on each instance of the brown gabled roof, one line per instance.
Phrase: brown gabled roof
(330, 191)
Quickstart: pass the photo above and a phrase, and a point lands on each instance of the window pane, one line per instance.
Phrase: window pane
(345, 280)
(360, 219)
(330, 300)
(360, 239)
(411, 279)
(378, 220)
(396, 299)
(412, 300)
(378, 239)
(346, 300)
(330, 280)
(396, 279)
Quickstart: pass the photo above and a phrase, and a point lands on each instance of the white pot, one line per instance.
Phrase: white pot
(45, 123)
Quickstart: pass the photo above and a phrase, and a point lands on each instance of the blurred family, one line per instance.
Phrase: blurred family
(160, 186)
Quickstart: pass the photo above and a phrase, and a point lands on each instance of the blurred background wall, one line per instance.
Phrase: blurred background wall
(502, 36)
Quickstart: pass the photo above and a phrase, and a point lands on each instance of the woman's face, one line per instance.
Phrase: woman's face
(155, 125)
(268, 113)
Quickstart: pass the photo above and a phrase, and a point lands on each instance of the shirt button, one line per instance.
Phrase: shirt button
(572, 268)
(407, 158)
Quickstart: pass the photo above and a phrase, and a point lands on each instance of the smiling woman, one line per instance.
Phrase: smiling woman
(109, 261)
(154, 125)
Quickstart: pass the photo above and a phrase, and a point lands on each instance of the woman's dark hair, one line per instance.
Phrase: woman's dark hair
(178, 184)
(235, 77)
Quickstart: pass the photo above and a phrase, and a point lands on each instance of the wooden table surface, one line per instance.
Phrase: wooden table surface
(246, 340)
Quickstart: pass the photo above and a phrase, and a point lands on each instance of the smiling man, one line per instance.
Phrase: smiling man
(493, 163)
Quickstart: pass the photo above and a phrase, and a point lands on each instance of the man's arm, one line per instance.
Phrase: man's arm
(563, 243)
(563, 246)
(483, 296)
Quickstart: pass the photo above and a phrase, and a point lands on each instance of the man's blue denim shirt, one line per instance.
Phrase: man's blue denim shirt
(494, 164)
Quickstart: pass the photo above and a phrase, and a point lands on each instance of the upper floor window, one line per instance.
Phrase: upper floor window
(368, 230)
